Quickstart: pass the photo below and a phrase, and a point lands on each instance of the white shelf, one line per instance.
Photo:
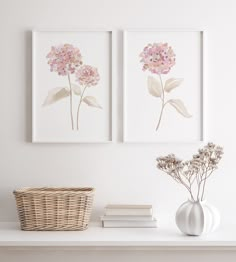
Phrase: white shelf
(122, 238)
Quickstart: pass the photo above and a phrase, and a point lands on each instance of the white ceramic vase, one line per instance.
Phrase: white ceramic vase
(195, 218)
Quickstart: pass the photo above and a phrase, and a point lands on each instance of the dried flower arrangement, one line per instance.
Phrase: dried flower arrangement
(194, 173)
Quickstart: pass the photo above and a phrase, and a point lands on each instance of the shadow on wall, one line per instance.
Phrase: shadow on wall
(96, 213)
(119, 65)
(7, 202)
(28, 85)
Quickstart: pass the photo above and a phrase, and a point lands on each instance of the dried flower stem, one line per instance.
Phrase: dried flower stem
(204, 185)
(188, 187)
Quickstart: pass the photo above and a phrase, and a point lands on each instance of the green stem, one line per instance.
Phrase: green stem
(78, 110)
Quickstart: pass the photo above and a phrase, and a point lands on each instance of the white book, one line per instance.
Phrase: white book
(128, 210)
(128, 218)
(130, 224)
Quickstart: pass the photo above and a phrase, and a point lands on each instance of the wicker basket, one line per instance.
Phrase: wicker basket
(54, 208)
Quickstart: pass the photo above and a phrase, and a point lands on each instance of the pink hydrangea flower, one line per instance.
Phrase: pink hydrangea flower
(87, 75)
(158, 58)
(64, 59)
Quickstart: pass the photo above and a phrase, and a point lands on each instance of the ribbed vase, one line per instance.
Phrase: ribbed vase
(195, 218)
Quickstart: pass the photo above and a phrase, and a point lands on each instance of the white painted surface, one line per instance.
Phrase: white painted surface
(128, 238)
(120, 172)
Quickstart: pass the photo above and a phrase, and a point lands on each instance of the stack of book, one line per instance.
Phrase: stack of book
(128, 216)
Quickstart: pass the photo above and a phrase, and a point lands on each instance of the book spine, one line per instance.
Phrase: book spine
(127, 218)
(130, 224)
(128, 212)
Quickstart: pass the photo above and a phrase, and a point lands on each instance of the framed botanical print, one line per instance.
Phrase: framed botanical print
(72, 86)
(163, 86)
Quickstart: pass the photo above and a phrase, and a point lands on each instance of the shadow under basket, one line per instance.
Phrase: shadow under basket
(45, 209)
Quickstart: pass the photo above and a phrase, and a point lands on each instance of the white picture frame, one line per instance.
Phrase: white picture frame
(137, 129)
(93, 76)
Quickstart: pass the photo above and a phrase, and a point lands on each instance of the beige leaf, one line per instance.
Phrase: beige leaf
(154, 87)
(91, 101)
(56, 94)
(180, 107)
(172, 83)
(76, 89)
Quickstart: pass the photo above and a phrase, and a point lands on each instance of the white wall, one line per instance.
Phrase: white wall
(120, 172)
